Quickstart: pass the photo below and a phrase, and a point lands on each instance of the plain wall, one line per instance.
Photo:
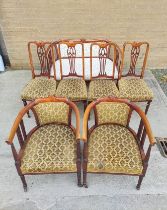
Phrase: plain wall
(118, 20)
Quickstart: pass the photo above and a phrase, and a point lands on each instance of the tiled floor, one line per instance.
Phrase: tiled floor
(60, 191)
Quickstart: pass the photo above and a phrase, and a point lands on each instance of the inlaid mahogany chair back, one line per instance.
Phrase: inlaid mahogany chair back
(102, 51)
(71, 50)
(107, 51)
(74, 60)
(119, 60)
(87, 45)
(111, 145)
(137, 55)
(40, 53)
(42, 56)
(52, 145)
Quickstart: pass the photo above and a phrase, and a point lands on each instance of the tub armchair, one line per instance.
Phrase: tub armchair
(52, 145)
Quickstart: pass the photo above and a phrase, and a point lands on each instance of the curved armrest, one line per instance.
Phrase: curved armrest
(43, 100)
(146, 124)
(17, 122)
(75, 108)
(133, 106)
(85, 120)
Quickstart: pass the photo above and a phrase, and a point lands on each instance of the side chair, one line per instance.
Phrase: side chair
(131, 78)
(131, 82)
(72, 83)
(102, 82)
(41, 85)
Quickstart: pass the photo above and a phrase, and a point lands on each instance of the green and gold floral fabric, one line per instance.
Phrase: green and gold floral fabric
(112, 112)
(113, 149)
(51, 148)
(50, 112)
(134, 90)
(74, 89)
(102, 88)
(39, 88)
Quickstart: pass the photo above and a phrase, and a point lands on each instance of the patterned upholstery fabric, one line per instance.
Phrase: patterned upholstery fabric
(112, 112)
(52, 112)
(134, 90)
(102, 88)
(51, 148)
(75, 89)
(39, 88)
(113, 149)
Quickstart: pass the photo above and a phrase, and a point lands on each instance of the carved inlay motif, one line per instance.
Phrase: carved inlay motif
(71, 53)
(102, 60)
(135, 51)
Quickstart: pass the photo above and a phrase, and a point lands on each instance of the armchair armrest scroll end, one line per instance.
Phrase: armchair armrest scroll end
(84, 138)
(8, 142)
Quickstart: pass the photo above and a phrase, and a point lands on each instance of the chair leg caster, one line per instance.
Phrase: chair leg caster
(80, 185)
(137, 187)
(139, 182)
(85, 185)
(79, 178)
(25, 188)
(24, 182)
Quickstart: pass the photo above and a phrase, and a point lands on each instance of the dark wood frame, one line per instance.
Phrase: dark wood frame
(18, 129)
(139, 136)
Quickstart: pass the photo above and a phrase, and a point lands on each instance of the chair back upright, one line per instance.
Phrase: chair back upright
(71, 50)
(109, 58)
(134, 59)
(40, 57)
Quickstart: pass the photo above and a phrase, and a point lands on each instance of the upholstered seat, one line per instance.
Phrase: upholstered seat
(135, 90)
(74, 89)
(102, 88)
(51, 148)
(113, 149)
(39, 88)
